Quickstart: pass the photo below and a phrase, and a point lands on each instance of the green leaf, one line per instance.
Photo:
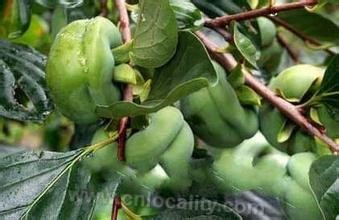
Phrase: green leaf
(199, 210)
(236, 78)
(321, 4)
(188, 16)
(80, 198)
(23, 93)
(156, 34)
(7, 149)
(70, 198)
(329, 88)
(121, 53)
(34, 184)
(37, 34)
(245, 46)
(330, 82)
(188, 71)
(324, 181)
(253, 3)
(55, 3)
(247, 96)
(15, 17)
(125, 73)
(313, 25)
(314, 115)
(285, 132)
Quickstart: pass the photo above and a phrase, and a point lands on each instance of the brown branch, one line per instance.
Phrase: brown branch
(115, 208)
(293, 54)
(222, 31)
(298, 33)
(286, 108)
(226, 35)
(128, 94)
(225, 20)
(103, 8)
(123, 20)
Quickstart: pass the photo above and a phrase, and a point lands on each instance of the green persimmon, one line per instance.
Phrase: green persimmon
(249, 166)
(106, 158)
(298, 85)
(295, 82)
(145, 147)
(300, 202)
(216, 115)
(143, 183)
(272, 123)
(135, 183)
(80, 68)
(270, 56)
(168, 141)
(175, 161)
(298, 167)
(267, 30)
(157, 157)
(271, 50)
(259, 167)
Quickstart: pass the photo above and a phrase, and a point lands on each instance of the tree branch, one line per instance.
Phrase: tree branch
(123, 20)
(293, 54)
(115, 208)
(286, 108)
(128, 94)
(225, 20)
(298, 33)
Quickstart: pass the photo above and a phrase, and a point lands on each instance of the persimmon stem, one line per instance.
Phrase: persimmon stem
(115, 208)
(298, 33)
(127, 96)
(225, 20)
(291, 52)
(289, 110)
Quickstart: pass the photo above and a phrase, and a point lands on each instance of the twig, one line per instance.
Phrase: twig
(293, 54)
(225, 20)
(298, 33)
(123, 20)
(128, 94)
(115, 208)
(286, 108)
(103, 8)
(226, 35)
(222, 31)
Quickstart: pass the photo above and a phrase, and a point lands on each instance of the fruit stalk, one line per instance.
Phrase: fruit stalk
(286, 108)
(298, 33)
(115, 208)
(225, 20)
(128, 94)
(293, 54)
